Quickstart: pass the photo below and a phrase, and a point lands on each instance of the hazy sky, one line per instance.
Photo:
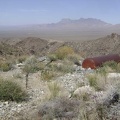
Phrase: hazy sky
(20, 12)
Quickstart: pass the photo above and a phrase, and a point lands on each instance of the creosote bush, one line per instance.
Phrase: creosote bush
(22, 59)
(47, 75)
(5, 66)
(63, 52)
(115, 67)
(111, 64)
(31, 65)
(52, 57)
(11, 91)
(63, 67)
(75, 58)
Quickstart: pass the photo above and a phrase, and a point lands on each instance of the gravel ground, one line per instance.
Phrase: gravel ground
(37, 90)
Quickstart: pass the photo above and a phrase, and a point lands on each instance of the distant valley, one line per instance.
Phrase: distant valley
(65, 30)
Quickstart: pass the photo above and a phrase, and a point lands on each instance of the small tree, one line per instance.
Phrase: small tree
(31, 66)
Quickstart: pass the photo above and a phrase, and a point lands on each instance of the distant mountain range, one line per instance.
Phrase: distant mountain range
(73, 24)
(66, 29)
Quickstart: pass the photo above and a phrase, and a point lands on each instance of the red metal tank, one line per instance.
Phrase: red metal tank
(95, 62)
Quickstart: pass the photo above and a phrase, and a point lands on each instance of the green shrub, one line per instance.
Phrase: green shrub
(97, 81)
(11, 91)
(93, 81)
(65, 68)
(102, 71)
(18, 75)
(63, 52)
(47, 75)
(52, 57)
(74, 58)
(22, 59)
(112, 64)
(5, 66)
(31, 66)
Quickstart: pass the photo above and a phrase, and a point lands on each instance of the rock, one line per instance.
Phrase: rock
(115, 98)
(83, 90)
(113, 75)
(42, 58)
(19, 105)
(6, 103)
(1, 105)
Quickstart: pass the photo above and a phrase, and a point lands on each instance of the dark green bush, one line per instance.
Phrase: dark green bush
(11, 91)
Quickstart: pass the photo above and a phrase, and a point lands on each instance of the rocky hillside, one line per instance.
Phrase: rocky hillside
(9, 50)
(102, 46)
(37, 46)
(32, 45)
(29, 45)
(109, 44)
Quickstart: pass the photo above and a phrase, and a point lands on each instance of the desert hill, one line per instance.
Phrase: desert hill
(27, 46)
(7, 50)
(109, 44)
(32, 44)
(38, 46)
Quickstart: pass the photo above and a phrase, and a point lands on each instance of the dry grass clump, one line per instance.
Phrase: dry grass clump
(96, 81)
(11, 91)
(54, 89)
(59, 108)
(71, 108)
(83, 93)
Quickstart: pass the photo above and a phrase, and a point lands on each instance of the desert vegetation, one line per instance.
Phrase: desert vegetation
(55, 86)
(11, 91)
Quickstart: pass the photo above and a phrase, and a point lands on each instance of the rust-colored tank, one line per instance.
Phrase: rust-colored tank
(95, 62)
